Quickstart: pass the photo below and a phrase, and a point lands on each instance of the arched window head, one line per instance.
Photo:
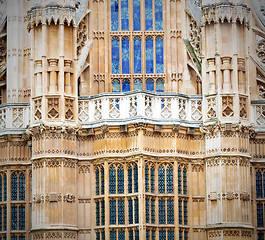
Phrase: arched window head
(137, 84)
(126, 85)
(115, 85)
(160, 85)
(150, 84)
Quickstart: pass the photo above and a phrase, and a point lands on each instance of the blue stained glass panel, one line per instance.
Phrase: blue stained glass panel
(180, 212)
(170, 235)
(115, 58)
(136, 210)
(150, 85)
(97, 213)
(161, 179)
(114, 15)
(125, 56)
(112, 215)
(162, 235)
(179, 181)
(136, 15)
(260, 214)
(149, 51)
(121, 212)
(147, 208)
(130, 179)
(113, 235)
(158, 15)
(152, 179)
(146, 179)
(5, 186)
(120, 180)
(124, 15)
(159, 55)
(137, 55)
(185, 235)
(135, 177)
(136, 232)
(14, 218)
(102, 181)
(148, 15)
(103, 212)
(126, 85)
(22, 218)
(137, 84)
(169, 180)
(170, 211)
(160, 85)
(97, 182)
(130, 210)
(184, 181)
(121, 235)
(112, 180)
(115, 85)
(153, 214)
(22, 189)
(14, 187)
(162, 209)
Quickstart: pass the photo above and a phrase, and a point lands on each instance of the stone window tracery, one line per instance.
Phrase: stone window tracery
(116, 172)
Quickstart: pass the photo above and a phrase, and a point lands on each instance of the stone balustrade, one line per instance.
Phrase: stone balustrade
(258, 114)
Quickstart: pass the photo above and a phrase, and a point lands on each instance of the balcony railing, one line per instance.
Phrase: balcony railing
(258, 114)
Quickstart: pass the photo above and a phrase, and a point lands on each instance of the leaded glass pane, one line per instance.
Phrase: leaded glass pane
(153, 214)
(103, 212)
(22, 218)
(161, 179)
(149, 51)
(13, 237)
(97, 213)
(152, 180)
(158, 15)
(137, 84)
(121, 212)
(103, 235)
(5, 192)
(159, 58)
(170, 211)
(130, 210)
(14, 187)
(180, 211)
(135, 177)
(115, 85)
(170, 235)
(14, 218)
(120, 179)
(162, 209)
(136, 210)
(112, 180)
(97, 235)
(22, 237)
(185, 235)
(150, 85)
(5, 217)
(112, 209)
(130, 179)
(184, 181)
(260, 236)
(137, 55)
(179, 180)
(114, 15)
(22, 189)
(185, 213)
(169, 180)
(147, 211)
(97, 182)
(153, 235)
(131, 234)
(102, 181)
(125, 56)
(260, 214)
(146, 179)
(136, 15)
(121, 235)
(160, 85)
(148, 15)
(264, 184)
(147, 234)
(113, 235)
(1, 187)
(162, 235)
(136, 233)
(115, 50)
(1, 217)
(124, 15)
(180, 235)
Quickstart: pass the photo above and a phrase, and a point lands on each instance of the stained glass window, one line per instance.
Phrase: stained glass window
(124, 15)
(14, 218)
(126, 85)
(152, 179)
(120, 179)
(121, 235)
(97, 213)
(153, 215)
(13, 237)
(260, 236)
(14, 187)
(112, 215)
(169, 180)
(125, 56)
(5, 217)
(179, 180)
(149, 51)
(1, 187)
(22, 217)
(147, 208)
(184, 181)
(264, 184)
(162, 209)
(136, 210)
(153, 235)
(103, 235)
(22, 187)
(130, 210)
(147, 234)
(129, 179)
(136, 15)
(148, 15)
(260, 214)
(115, 85)
(170, 235)
(112, 180)
(121, 212)
(114, 15)
(159, 55)
(97, 235)
(137, 55)
(180, 235)
(103, 212)
(185, 212)
(160, 85)
(97, 182)
(161, 179)
(185, 235)
(5, 186)
(137, 84)
(115, 49)
(170, 211)
(22, 237)
(150, 85)
(130, 234)
(135, 177)
(180, 211)
(113, 235)
(162, 235)
(136, 232)
(146, 179)
(159, 15)
(102, 181)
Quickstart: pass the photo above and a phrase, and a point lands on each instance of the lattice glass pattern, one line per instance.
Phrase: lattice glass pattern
(161, 179)
(114, 15)
(180, 235)
(112, 180)
(136, 233)
(184, 181)
(146, 176)
(180, 211)
(185, 212)
(5, 188)
(260, 236)
(121, 235)
(179, 181)
(97, 213)
(14, 192)
(97, 235)
(130, 234)
(147, 210)
(137, 55)
(120, 173)
(1, 188)
(13, 237)
(153, 234)
(5, 218)
(130, 211)
(125, 50)
(159, 57)
(170, 211)
(130, 183)
(14, 214)
(170, 235)
(162, 211)
(136, 15)
(149, 54)
(97, 181)
(136, 210)
(169, 179)
(263, 184)
(112, 215)
(22, 190)
(162, 235)
(185, 235)
(152, 179)
(1, 217)
(102, 181)
(103, 235)
(258, 184)
(135, 178)
(153, 213)
(147, 234)
(121, 212)
(124, 15)
(113, 235)
(259, 214)
(22, 220)
(102, 212)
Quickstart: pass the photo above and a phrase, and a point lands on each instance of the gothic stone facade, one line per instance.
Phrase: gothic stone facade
(132, 119)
